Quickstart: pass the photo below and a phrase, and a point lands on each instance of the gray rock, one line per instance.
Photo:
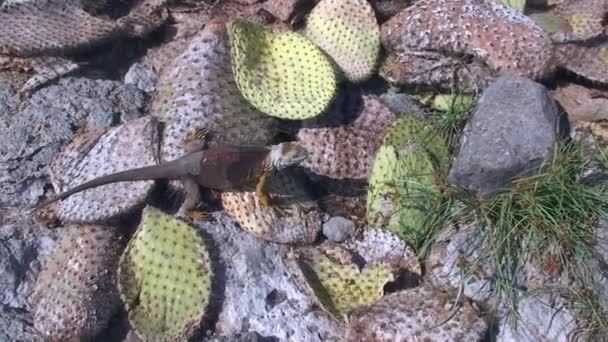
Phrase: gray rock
(16, 325)
(512, 130)
(401, 103)
(542, 318)
(261, 294)
(142, 76)
(23, 246)
(458, 260)
(30, 138)
(246, 337)
(338, 228)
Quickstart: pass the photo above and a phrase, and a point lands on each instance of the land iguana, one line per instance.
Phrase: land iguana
(221, 167)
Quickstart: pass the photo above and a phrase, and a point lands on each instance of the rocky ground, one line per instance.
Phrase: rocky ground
(503, 84)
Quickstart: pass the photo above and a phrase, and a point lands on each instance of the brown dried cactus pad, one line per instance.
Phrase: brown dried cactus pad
(421, 312)
(76, 294)
(587, 60)
(99, 153)
(586, 18)
(342, 143)
(199, 92)
(583, 104)
(505, 39)
(50, 27)
(293, 217)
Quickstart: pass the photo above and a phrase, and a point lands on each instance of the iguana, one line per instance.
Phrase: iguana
(221, 167)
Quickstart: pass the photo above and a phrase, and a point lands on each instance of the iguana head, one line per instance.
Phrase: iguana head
(287, 154)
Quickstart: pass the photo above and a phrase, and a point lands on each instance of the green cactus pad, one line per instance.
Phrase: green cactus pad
(165, 278)
(455, 103)
(550, 22)
(348, 31)
(282, 74)
(402, 186)
(339, 284)
(401, 191)
(409, 128)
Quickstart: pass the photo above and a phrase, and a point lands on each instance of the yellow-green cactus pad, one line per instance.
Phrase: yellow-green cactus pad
(165, 278)
(292, 218)
(282, 74)
(339, 284)
(348, 31)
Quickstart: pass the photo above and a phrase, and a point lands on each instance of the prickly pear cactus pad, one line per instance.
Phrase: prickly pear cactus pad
(342, 146)
(502, 37)
(519, 5)
(99, 153)
(402, 186)
(410, 128)
(164, 278)
(585, 17)
(282, 74)
(348, 31)
(382, 246)
(49, 26)
(422, 312)
(588, 61)
(293, 218)
(199, 92)
(75, 294)
(338, 283)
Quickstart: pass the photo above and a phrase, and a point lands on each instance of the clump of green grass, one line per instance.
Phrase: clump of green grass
(453, 111)
(548, 216)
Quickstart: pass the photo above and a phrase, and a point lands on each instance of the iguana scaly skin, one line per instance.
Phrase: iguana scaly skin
(222, 167)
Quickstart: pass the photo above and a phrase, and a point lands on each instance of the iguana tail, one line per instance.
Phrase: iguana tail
(171, 170)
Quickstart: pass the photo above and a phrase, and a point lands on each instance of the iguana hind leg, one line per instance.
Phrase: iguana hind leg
(261, 190)
(191, 208)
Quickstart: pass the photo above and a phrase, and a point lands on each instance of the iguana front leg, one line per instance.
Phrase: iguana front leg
(261, 190)
(190, 208)
(196, 140)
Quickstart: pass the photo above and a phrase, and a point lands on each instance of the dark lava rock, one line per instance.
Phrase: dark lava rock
(30, 138)
(512, 131)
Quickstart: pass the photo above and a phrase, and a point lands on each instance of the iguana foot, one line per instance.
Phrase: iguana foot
(197, 214)
(195, 141)
(261, 191)
(265, 199)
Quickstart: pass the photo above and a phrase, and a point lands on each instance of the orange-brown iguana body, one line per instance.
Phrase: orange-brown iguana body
(222, 167)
